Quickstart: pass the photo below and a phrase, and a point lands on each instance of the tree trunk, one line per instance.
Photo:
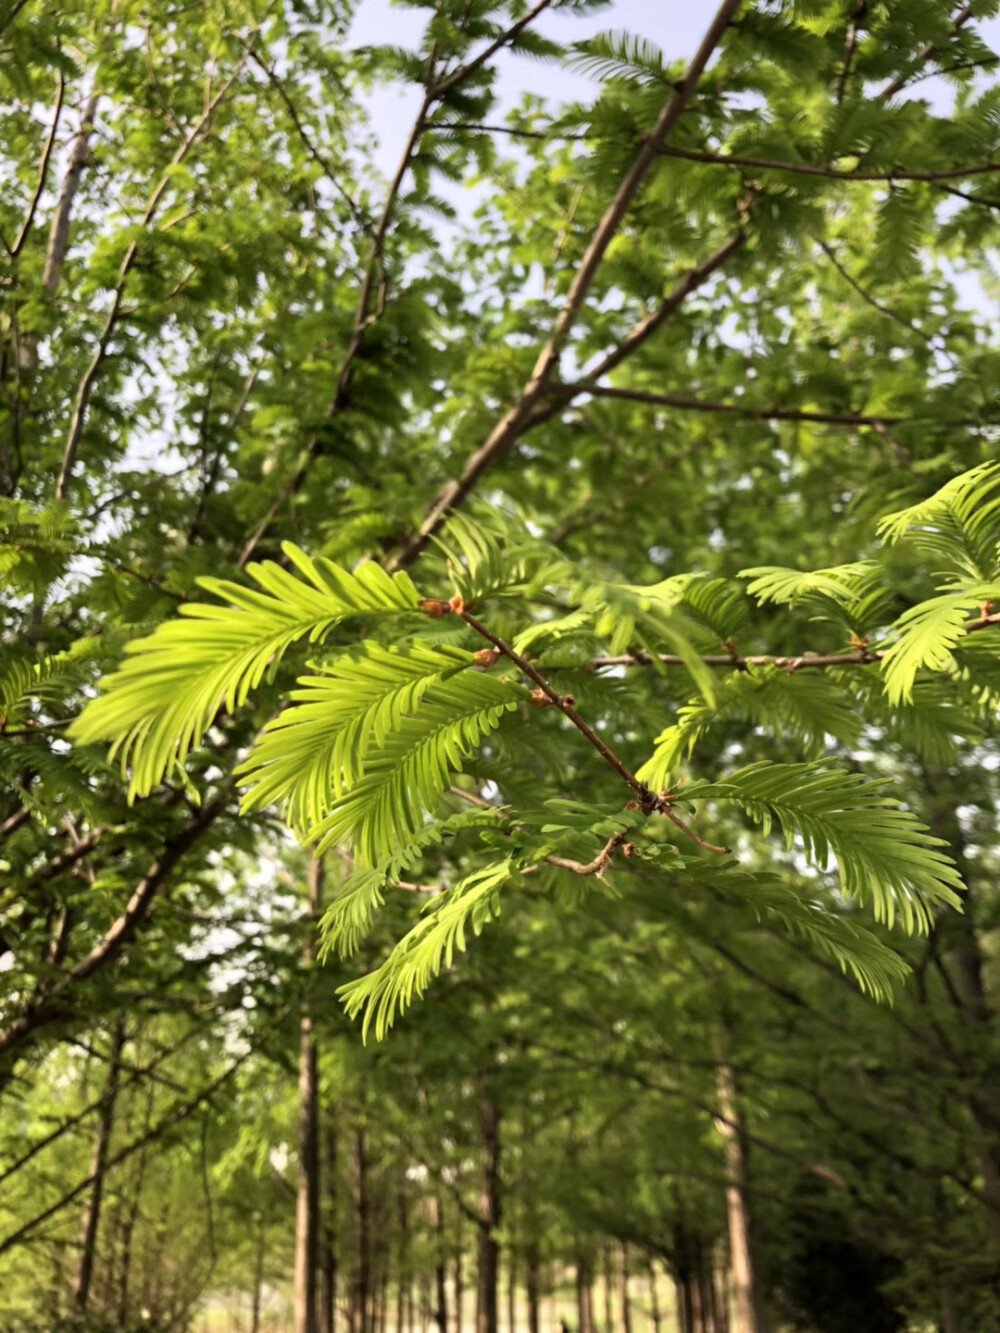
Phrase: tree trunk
(966, 966)
(402, 1261)
(609, 1282)
(307, 1209)
(58, 242)
(512, 1290)
(362, 1281)
(328, 1321)
(625, 1301)
(459, 1286)
(258, 1280)
(489, 1212)
(531, 1285)
(132, 1216)
(584, 1295)
(747, 1312)
(720, 1288)
(102, 1142)
(440, 1265)
(654, 1299)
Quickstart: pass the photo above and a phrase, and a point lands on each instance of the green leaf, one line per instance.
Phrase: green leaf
(885, 855)
(314, 751)
(426, 950)
(926, 635)
(959, 523)
(856, 950)
(404, 778)
(158, 705)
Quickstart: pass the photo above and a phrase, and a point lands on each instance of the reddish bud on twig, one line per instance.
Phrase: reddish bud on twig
(433, 606)
(486, 657)
(457, 604)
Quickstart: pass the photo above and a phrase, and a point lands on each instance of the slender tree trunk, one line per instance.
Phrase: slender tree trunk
(654, 1299)
(965, 964)
(720, 1286)
(58, 242)
(512, 1290)
(132, 1216)
(625, 1301)
(102, 1143)
(747, 1310)
(307, 1209)
(950, 1322)
(609, 1282)
(584, 1295)
(706, 1292)
(328, 1322)
(459, 1285)
(531, 1285)
(402, 1260)
(440, 1265)
(258, 1280)
(379, 1318)
(489, 1212)
(362, 1283)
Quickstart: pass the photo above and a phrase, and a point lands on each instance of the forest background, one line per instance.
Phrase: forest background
(500, 547)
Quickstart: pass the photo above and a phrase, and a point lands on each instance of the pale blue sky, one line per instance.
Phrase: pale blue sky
(676, 26)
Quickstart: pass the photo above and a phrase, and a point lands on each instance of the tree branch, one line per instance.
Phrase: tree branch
(43, 172)
(739, 160)
(47, 1006)
(174, 1117)
(682, 403)
(523, 414)
(924, 54)
(85, 387)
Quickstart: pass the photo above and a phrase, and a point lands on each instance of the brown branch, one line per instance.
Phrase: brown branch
(15, 821)
(682, 403)
(67, 859)
(738, 663)
(137, 1073)
(693, 279)
(853, 29)
(646, 800)
(47, 1006)
(212, 475)
(43, 172)
(523, 414)
(867, 297)
(12, 14)
(85, 387)
(561, 702)
(59, 231)
(314, 152)
(174, 1117)
(600, 862)
(798, 662)
(363, 320)
(466, 71)
(924, 54)
(739, 160)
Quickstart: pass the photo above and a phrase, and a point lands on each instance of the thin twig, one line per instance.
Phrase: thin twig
(43, 171)
(523, 414)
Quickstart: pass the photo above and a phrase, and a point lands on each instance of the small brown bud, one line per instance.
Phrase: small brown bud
(486, 657)
(633, 805)
(630, 849)
(540, 699)
(433, 606)
(457, 604)
(569, 700)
